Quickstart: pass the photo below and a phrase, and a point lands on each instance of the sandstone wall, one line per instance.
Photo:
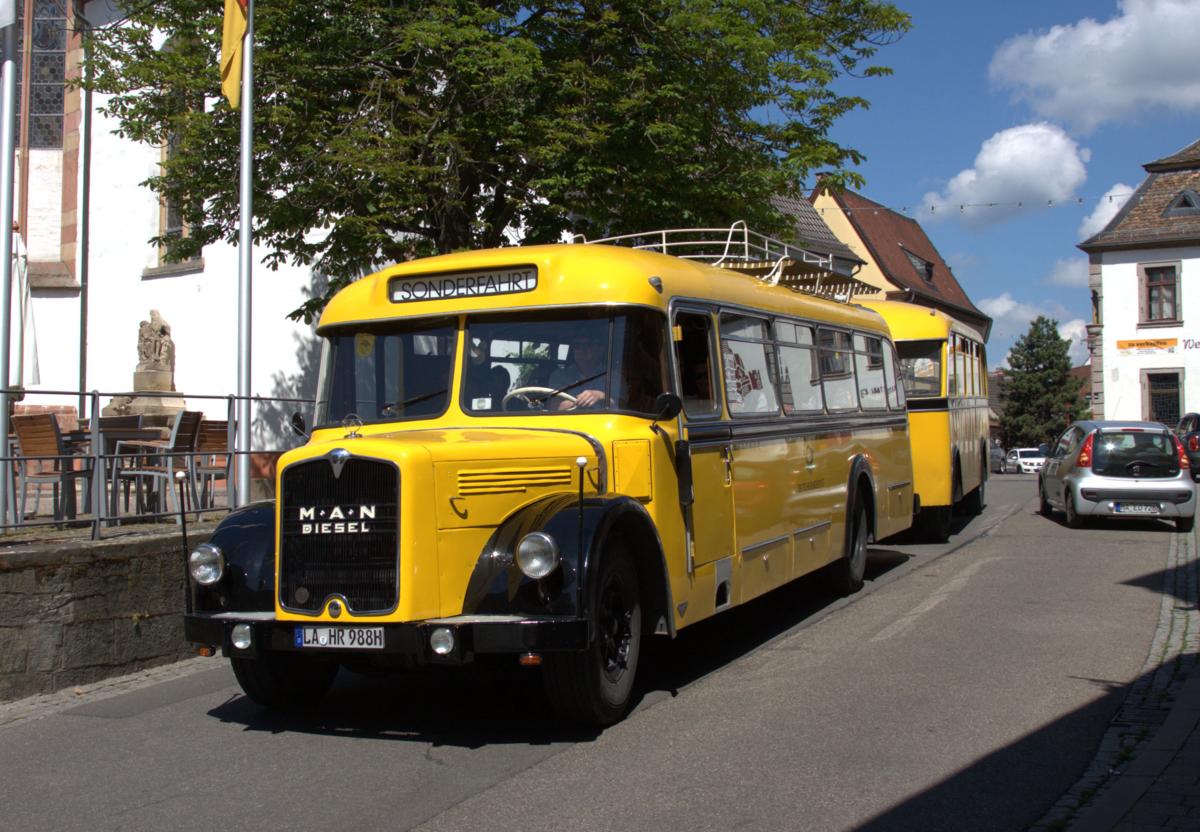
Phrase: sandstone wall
(79, 611)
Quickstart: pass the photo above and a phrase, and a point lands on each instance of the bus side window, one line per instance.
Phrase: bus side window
(749, 368)
(868, 360)
(799, 372)
(837, 369)
(693, 356)
(951, 352)
(895, 389)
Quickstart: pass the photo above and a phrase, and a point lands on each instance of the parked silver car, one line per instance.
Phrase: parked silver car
(1118, 469)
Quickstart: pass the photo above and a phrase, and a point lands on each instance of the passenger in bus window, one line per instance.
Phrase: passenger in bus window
(584, 376)
(486, 384)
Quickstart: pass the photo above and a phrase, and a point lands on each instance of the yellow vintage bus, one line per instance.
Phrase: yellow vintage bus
(552, 452)
(944, 366)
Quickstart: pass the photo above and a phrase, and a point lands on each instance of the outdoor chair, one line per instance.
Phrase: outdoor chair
(46, 457)
(211, 462)
(150, 466)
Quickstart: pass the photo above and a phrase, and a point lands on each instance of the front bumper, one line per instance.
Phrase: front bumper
(406, 643)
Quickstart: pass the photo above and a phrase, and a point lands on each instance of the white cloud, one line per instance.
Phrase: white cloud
(1011, 318)
(1090, 72)
(1105, 210)
(1075, 331)
(1016, 169)
(1069, 271)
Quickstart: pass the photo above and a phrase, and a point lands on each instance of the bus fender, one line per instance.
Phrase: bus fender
(860, 469)
(246, 538)
(498, 587)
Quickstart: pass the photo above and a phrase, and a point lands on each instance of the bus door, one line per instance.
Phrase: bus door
(710, 518)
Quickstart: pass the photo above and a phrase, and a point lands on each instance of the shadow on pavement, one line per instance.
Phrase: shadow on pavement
(1014, 787)
(500, 703)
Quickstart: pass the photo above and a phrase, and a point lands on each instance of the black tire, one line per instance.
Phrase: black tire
(594, 686)
(1184, 524)
(1074, 521)
(973, 503)
(845, 576)
(935, 523)
(1044, 507)
(284, 681)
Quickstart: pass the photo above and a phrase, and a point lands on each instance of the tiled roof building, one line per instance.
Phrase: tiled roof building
(901, 260)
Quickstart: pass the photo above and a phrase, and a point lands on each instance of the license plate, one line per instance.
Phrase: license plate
(1136, 508)
(343, 638)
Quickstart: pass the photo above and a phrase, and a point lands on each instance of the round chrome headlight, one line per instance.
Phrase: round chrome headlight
(537, 554)
(206, 564)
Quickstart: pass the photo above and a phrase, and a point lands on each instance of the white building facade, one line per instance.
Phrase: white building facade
(98, 296)
(1144, 276)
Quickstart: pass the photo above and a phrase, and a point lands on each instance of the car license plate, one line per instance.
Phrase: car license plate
(1136, 508)
(345, 638)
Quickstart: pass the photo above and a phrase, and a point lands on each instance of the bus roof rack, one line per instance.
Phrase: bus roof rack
(739, 249)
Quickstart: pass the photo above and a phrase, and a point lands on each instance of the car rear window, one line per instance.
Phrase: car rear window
(1140, 454)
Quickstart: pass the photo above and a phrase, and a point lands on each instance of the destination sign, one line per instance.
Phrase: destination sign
(463, 285)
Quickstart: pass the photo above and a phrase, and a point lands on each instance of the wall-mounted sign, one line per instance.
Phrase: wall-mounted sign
(463, 284)
(1148, 346)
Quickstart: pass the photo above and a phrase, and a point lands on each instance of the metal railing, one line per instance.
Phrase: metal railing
(102, 472)
(740, 249)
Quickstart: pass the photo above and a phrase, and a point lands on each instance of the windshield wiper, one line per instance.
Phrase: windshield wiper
(393, 409)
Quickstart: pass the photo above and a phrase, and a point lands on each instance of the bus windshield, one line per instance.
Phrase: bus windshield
(379, 374)
(551, 362)
(921, 366)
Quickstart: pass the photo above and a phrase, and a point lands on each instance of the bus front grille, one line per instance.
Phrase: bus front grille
(340, 533)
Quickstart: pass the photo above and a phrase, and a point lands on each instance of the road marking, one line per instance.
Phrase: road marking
(957, 583)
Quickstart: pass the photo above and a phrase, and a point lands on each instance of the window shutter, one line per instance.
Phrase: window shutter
(1143, 297)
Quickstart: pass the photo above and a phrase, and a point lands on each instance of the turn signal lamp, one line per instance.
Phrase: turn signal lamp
(1183, 458)
(1085, 453)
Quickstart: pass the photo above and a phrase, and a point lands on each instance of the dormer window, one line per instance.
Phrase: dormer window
(1185, 204)
(924, 267)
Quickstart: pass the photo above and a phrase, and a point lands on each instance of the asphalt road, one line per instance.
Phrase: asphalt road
(967, 687)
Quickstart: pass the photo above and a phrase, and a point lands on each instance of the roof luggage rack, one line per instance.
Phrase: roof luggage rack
(739, 249)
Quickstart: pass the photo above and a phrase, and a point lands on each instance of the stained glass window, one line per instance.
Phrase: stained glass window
(48, 70)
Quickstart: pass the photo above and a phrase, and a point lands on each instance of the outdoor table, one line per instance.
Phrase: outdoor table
(108, 442)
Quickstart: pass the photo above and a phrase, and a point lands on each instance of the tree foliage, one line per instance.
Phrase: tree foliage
(1040, 395)
(387, 130)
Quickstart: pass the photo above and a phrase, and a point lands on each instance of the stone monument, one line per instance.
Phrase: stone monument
(155, 373)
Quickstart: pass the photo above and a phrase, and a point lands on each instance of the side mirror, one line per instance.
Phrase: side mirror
(1044, 449)
(667, 406)
(298, 425)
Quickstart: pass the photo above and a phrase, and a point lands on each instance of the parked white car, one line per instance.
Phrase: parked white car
(1024, 460)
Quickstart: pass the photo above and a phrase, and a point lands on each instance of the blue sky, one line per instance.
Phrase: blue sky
(1025, 102)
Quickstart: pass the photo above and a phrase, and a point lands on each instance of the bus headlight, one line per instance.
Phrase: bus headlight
(537, 555)
(206, 564)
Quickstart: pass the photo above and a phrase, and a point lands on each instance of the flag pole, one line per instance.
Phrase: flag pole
(246, 259)
(8, 118)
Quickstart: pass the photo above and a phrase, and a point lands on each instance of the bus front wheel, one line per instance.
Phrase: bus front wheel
(283, 681)
(594, 686)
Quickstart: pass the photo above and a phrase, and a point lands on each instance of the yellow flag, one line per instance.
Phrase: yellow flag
(231, 50)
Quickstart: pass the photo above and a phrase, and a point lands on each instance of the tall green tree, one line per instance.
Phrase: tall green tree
(388, 129)
(1040, 395)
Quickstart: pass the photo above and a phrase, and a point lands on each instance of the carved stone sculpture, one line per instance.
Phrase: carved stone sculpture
(155, 372)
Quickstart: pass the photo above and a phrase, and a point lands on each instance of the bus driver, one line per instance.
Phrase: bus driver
(586, 371)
